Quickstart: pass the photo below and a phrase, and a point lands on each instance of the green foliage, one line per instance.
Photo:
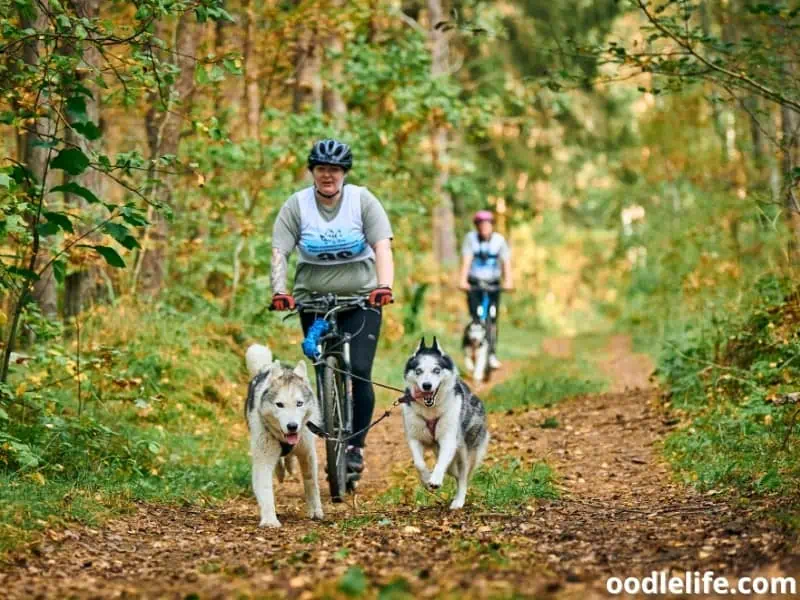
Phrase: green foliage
(510, 484)
(730, 384)
(545, 380)
(505, 485)
(353, 583)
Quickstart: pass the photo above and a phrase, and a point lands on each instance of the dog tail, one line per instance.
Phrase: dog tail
(258, 358)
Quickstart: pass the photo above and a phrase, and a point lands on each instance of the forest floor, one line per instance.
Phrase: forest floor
(619, 513)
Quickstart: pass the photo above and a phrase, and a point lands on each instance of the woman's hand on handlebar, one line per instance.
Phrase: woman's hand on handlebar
(282, 302)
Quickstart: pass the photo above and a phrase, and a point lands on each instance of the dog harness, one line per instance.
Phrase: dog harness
(341, 240)
(286, 448)
(431, 425)
(408, 398)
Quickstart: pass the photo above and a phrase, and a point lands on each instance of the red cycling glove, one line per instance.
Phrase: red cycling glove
(381, 296)
(282, 302)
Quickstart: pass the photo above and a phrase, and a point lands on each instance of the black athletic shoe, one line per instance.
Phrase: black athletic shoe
(355, 461)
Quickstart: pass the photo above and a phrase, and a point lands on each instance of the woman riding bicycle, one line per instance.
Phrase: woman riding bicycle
(486, 259)
(343, 238)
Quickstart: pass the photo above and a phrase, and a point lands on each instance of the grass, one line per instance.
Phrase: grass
(504, 486)
(727, 385)
(545, 380)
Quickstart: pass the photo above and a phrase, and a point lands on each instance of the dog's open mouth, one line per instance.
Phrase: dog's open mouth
(292, 438)
(428, 397)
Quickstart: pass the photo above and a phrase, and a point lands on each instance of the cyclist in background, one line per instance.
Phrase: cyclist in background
(344, 239)
(486, 258)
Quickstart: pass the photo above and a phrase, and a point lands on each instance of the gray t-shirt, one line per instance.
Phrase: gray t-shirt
(341, 278)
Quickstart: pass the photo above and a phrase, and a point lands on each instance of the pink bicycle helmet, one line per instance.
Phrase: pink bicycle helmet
(483, 215)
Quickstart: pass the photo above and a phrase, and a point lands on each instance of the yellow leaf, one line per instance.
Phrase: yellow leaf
(37, 478)
(3, 318)
(20, 389)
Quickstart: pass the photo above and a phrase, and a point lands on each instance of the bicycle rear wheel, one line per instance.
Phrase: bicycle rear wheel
(335, 424)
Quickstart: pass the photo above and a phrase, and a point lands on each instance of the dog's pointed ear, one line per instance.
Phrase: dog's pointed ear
(435, 346)
(420, 346)
(301, 370)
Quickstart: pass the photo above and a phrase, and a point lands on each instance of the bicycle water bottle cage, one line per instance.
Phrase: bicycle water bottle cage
(318, 328)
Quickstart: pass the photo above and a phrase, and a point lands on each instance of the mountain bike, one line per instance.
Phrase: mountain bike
(329, 348)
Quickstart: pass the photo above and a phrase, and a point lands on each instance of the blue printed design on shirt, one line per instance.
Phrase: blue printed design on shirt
(332, 244)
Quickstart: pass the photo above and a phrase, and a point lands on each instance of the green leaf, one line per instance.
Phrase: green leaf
(111, 256)
(88, 130)
(353, 582)
(394, 590)
(23, 272)
(5, 180)
(59, 270)
(76, 109)
(122, 234)
(142, 13)
(133, 216)
(71, 160)
(47, 229)
(3, 414)
(78, 190)
(60, 219)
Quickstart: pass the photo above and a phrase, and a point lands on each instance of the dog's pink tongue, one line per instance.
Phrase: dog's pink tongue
(292, 438)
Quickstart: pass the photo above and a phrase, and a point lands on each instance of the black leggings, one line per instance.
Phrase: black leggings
(365, 325)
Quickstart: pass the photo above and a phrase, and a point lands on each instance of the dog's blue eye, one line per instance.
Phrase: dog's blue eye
(279, 404)
(436, 371)
(418, 371)
(299, 404)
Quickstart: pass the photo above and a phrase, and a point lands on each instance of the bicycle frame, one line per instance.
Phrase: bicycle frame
(485, 309)
(329, 306)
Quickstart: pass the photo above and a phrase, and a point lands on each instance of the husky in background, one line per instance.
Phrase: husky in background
(280, 401)
(440, 412)
(475, 345)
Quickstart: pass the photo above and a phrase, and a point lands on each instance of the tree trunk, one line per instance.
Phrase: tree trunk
(220, 47)
(444, 241)
(756, 134)
(307, 66)
(251, 73)
(35, 157)
(790, 126)
(164, 128)
(332, 101)
(82, 285)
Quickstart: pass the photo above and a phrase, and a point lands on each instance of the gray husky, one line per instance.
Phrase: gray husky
(280, 402)
(441, 412)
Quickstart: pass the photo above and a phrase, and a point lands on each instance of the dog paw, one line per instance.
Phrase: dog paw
(456, 504)
(316, 514)
(273, 523)
(424, 477)
(434, 482)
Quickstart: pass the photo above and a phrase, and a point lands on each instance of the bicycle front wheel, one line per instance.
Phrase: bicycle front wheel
(334, 413)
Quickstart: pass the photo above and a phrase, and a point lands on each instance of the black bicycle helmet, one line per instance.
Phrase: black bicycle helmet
(331, 152)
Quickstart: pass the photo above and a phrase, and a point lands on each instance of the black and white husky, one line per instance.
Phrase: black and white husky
(441, 412)
(475, 345)
(280, 402)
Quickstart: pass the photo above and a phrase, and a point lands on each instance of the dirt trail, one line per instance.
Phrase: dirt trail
(619, 515)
